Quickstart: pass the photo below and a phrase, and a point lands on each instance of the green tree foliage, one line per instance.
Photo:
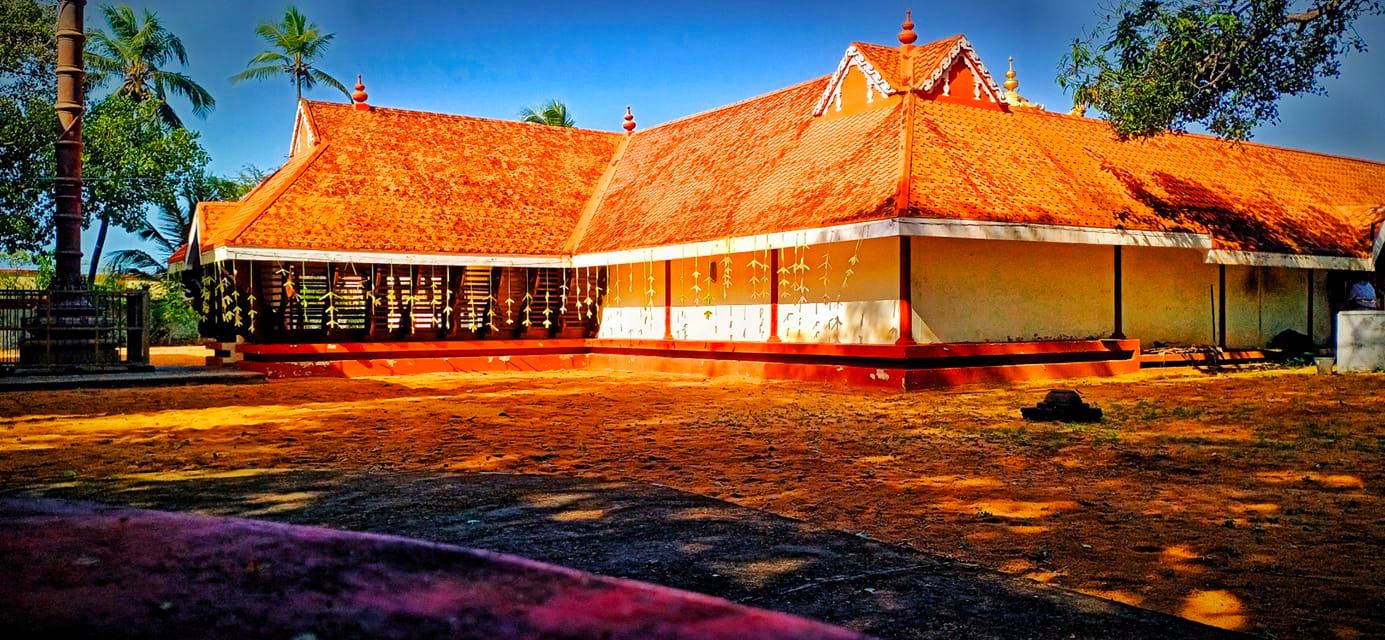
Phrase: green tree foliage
(133, 159)
(553, 113)
(295, 45)
(28, 125)
(169, 225)
(133, 53)
(1163, 65)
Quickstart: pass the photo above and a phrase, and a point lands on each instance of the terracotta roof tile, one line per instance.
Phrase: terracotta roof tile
(755, 167)
(927, 59)
(1036, 167)
(403, 181)
(406, 181)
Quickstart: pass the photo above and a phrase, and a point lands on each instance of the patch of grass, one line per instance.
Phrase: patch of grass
(1262, 442)
(1017, 435)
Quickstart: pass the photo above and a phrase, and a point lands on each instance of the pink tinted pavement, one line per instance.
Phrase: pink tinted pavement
(95, 571)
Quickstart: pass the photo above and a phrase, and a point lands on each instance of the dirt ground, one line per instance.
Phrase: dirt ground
(1247, 500)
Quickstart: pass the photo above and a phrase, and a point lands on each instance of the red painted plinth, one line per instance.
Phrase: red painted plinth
(75, 570)
(889, 366)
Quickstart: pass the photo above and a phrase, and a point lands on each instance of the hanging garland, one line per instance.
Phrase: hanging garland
(509, 299)
(250, 302)
(851, 264)
(528, 301)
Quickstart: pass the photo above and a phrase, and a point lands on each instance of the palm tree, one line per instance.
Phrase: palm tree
(296, 44)
(172, 223)
(133, 52)
(553, 114)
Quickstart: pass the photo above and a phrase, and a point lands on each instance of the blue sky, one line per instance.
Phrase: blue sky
(666, 59)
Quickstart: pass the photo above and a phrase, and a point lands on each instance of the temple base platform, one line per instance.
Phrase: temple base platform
(886, 367)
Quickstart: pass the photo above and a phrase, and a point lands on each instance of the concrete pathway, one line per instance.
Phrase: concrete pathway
(157, 377)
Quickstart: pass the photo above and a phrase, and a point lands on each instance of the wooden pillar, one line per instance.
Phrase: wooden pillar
(774, 294)
(668, 299)
(1119, 296)
(906, 293)
(1221, 306)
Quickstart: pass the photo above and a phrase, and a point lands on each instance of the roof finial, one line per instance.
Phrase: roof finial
(359, 97)
(907, 37)
(1012, 95)
(629, 120)
(1011, 83)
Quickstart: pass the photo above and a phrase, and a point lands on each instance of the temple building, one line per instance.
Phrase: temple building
(903, 221)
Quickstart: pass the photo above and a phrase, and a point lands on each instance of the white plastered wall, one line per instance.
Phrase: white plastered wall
(820, 301)
(634, 302)
(1170, 296)
(1263, 301)
(998, 291)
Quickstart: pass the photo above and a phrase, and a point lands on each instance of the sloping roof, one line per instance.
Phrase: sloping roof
(754, 167)
(927, 59)
(392, 180)
(395, 181)
(1035, 167)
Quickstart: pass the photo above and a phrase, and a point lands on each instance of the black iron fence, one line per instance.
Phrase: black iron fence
(64, 329)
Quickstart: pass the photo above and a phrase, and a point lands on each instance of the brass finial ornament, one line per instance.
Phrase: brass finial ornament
(1010, 82)
(360, 96)
(629, 120)
(1012, 85)
(907, 37)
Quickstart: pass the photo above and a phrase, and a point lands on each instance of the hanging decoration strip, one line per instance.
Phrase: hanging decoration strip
(250, 301)
(528, 302)
(851, 263)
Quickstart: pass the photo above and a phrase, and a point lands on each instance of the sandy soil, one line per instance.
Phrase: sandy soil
(1250, 500)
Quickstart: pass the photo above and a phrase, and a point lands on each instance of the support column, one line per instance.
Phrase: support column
(1221, 306)
(1309, 332)
(70, 68)
(906, 292)
(1118, 301)
(668, 299)
(774, 294)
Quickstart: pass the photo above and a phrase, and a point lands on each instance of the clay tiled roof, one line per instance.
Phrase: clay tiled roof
(754, 167)
(926, 58)
(1036, 167)
(391, 180)
(388, 180)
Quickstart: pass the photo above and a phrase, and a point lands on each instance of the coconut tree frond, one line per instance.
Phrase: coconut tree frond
(271, 57)
(314, 45)
(321, 76)
(134, 261)
(132, 49)
(294, 45)
(257, 73)
(169, 81)
(169, 116)
(554, 113)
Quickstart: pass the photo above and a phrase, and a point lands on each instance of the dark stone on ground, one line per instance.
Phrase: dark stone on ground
(1062, 405)
(664, 536)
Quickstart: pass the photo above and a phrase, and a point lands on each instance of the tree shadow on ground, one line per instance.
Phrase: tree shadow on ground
(660, 535)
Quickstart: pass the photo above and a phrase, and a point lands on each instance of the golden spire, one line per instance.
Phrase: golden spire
(1011, 84)
(1012, 95)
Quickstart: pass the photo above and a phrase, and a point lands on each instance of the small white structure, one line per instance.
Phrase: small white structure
(1360, 341)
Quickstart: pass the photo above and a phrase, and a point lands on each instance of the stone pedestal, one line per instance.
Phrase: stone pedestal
(68, 331)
